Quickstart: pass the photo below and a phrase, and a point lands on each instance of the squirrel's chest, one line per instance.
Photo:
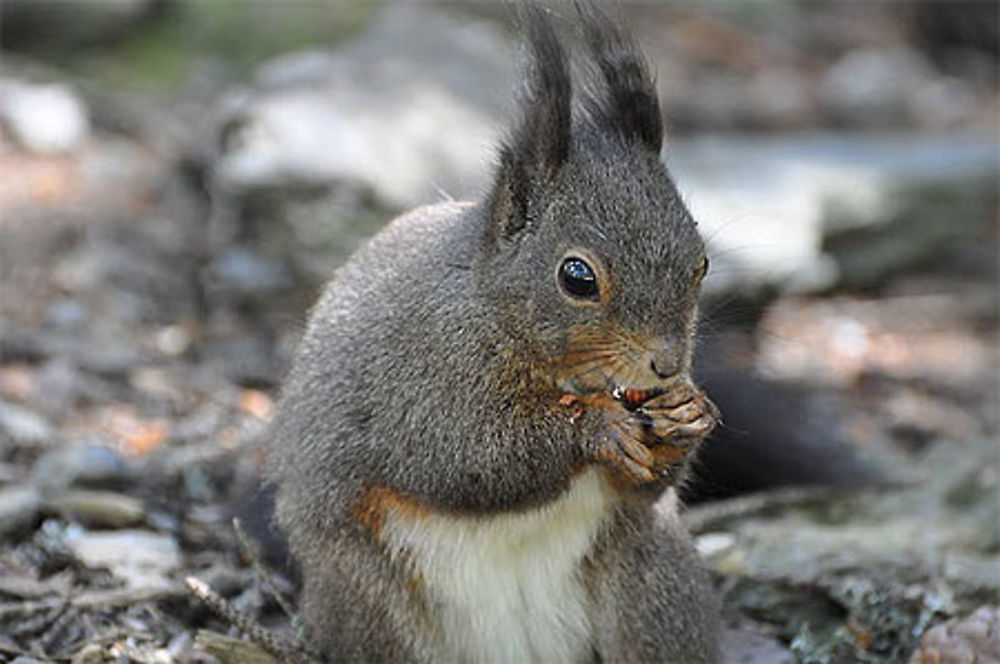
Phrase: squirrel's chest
(508, 588)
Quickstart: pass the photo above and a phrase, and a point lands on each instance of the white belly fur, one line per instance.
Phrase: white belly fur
(507, 588)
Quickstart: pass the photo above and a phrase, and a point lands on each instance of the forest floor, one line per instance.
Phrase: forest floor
(140, 364)
(134, 400)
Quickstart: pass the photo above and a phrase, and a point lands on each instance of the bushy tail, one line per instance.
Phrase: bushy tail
(773, 435)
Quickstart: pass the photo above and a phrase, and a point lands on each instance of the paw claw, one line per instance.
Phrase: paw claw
(646, 443)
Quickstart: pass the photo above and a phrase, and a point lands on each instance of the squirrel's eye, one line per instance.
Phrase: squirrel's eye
(702, 270)
(577, 278)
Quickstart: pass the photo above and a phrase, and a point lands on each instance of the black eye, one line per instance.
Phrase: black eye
(578, 279)
(702, 270)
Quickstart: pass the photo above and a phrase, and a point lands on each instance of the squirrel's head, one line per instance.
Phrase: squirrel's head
(590, 257)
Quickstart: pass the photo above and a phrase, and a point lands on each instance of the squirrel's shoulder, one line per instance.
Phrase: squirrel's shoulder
(421, 249)
(414, 269)
(426, 232)
(432, 218)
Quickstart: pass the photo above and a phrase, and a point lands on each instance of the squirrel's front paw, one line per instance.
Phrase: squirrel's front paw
(680, 417)
(646, 443)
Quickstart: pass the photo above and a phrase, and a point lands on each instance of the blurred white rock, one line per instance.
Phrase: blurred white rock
(411, 108)
(765, 204)
(43, 118)
(24, 426)
(875, 87)
(19, 507)
(143, 559)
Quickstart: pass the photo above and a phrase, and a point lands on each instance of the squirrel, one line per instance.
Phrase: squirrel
(477, 450)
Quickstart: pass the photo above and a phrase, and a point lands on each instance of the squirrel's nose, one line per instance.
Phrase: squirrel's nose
(666, 360)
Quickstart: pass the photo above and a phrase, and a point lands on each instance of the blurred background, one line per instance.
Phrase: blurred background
(179, 177)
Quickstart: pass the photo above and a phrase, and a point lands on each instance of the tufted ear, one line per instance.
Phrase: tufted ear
(626, 101)
(539, 144)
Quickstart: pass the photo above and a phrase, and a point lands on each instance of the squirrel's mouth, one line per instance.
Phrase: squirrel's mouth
(633, 398)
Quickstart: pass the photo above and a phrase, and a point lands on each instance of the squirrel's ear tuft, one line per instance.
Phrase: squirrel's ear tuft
(629, 103)
(539, 143)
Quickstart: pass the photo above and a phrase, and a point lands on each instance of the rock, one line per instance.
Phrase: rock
(67, 313)
(81, 463)
(245, 360)
(19, 508)
(858, 577)
(944, 102)
(301, 238)
(142, 559)
(407, 109)
(56, 24)
(711, 545)
(326, 147)
(742, 646)
(780, 97)
(46, 119)
(932, 225)
(873, 87)
(974, 638)
(9, 472)
(713, 99)
(245, 271)
(24, 426)
(766, 204)
(99, 508)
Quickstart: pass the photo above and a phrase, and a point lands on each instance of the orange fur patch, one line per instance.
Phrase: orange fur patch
(378, 501)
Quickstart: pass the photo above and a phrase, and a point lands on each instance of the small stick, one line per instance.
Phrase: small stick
(265, 577)
(280, 647)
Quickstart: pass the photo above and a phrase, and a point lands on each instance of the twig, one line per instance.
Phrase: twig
(278, 646)
(265, 577)
(39, 623)
(57, 629)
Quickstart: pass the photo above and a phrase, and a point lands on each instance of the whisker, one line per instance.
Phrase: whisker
(585, 368)
(617, 371)
(626, 366)
(591, 334)
(598, 353)
(591, 344)
(633, 346)
(578, 350)
(596, 366)
(583, 358)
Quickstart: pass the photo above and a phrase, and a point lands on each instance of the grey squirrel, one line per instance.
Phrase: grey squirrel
(491, 396)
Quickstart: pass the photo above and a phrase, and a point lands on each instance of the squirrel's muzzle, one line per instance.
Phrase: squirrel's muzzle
(667, 359)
